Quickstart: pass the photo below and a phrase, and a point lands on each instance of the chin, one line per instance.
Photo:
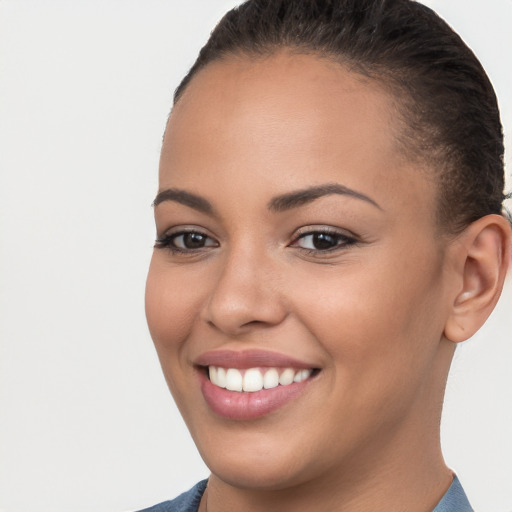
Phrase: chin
(260, 460)
(272, 476)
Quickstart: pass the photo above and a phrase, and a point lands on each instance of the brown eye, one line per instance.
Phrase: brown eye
(323, 241)
(185, 241)
(191, 241)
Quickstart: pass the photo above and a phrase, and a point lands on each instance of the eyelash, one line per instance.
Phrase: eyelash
(342, 241)
(168, 239)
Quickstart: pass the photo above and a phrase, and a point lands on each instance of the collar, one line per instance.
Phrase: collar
(455, 499)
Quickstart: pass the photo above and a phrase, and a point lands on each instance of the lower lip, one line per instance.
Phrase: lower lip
(249, 405)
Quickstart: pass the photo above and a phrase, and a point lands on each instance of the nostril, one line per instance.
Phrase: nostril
(253, 323)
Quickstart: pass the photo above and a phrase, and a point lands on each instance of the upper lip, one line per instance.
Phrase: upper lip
(249, 359)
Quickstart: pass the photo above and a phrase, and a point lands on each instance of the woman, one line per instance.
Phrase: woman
(329, 227)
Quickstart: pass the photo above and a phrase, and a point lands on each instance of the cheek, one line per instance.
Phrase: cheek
(369, 317)
(381, 341)
(171, 306)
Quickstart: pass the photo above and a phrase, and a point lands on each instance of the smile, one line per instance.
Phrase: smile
(251, 380)
(250, 384)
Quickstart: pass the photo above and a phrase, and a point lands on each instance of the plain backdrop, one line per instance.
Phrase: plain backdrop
(86, 421)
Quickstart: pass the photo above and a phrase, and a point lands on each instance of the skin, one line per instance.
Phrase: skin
(378, 317)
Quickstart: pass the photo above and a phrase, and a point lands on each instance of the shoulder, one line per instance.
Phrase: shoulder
(186, 502)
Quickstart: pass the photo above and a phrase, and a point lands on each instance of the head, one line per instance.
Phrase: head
(331, 185)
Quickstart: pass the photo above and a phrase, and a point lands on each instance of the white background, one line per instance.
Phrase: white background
(86, 421)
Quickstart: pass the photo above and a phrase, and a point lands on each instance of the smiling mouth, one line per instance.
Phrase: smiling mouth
(251, 380)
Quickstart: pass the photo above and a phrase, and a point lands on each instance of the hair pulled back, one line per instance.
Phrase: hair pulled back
(447, 105)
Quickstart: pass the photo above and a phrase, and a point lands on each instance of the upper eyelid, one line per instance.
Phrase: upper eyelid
(176, 230)
(174, 234)
(331, 230)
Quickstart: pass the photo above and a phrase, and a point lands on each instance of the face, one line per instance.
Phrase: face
(298, 263)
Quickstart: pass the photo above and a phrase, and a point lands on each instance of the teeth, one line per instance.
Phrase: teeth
(234, 381)
(271, 379)
(221, 377)
(255, 379)
(286, 377)
(301, 375)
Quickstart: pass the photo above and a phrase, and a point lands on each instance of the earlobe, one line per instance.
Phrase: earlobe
(481, 257)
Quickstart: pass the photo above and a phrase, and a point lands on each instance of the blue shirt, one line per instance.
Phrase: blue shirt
(454, 500)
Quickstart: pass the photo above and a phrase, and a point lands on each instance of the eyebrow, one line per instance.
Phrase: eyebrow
(307, 195)
(279, 203)
(186, 198)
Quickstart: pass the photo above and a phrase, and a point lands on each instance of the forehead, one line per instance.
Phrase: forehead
(298, 120)
(291, 97)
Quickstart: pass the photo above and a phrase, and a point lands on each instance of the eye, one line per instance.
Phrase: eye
(323, 241)
(186, 241)
(191, 240)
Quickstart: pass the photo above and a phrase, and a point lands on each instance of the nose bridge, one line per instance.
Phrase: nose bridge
(245, 292)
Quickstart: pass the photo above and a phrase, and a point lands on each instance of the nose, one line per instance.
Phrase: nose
(246, 295)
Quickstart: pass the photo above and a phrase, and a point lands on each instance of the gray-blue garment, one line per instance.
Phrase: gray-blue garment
(454, 500)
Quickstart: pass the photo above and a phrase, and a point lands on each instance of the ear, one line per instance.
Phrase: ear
(481, 257)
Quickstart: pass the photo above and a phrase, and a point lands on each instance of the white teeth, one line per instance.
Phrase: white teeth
(217, 376)
(234, 380)
(221, 377)
(286, 377)
(271, 379)
(255, 379)
(301, 375)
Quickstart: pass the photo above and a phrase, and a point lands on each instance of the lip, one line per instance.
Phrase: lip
(248, 406)
(250, 359)
(235, 405)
